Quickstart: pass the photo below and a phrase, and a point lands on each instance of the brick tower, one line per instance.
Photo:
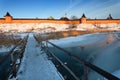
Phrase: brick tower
(8, 18)
(83, 19)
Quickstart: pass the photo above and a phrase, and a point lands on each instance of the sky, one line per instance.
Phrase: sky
(99, 9)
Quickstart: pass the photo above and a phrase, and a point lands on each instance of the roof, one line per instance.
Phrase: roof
(83, 16)
(64, 18)
(7, 14)
(109, 17)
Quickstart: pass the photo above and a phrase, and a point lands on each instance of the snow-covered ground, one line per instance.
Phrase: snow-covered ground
(51, 27)
(35, 27)
(5, 49)
(110, 26)
(35, 65)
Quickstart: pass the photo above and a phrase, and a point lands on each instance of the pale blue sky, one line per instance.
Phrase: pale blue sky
(57, 8)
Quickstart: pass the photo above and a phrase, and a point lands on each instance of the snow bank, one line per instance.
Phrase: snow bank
(110, 26)
(51, 27)
(36, 27)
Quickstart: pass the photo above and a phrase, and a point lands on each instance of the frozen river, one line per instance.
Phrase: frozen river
(103, 50)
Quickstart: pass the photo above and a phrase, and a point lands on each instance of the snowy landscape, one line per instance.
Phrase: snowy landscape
(98, 48)
(51, 27)
(59, 40)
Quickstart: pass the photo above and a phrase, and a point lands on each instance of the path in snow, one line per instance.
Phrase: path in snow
(35, 65)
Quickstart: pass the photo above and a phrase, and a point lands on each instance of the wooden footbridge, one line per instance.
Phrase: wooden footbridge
(13, 57)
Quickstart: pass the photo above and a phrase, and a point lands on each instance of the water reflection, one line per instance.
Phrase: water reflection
(7, 41)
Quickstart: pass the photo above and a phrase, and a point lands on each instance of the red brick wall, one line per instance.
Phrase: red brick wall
(83, 21)
(102, 21)
(46, 21)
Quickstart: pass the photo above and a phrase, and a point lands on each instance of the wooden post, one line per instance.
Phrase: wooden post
(46, 44)
(85, 72)
(12, 58)
(54, 54)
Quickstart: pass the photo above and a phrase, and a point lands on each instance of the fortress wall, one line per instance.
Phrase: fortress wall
(84, 21)
(2, 21)
(46, 21)
(12, 20)
(10, 24)
(102, 21)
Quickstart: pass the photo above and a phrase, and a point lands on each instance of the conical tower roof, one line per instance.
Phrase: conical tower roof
(109, 17)
(7, 14)
(83, 16)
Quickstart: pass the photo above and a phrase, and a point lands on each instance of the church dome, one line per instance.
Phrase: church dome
(64, 18)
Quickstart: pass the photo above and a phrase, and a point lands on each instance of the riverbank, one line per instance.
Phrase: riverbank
(69, 33)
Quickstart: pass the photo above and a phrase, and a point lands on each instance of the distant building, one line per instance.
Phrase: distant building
(64, 17)
(51, 18)
(8, 17)
(109, 17)
(83, 18)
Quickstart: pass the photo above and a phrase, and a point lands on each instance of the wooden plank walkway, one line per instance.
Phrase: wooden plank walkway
(35, 65)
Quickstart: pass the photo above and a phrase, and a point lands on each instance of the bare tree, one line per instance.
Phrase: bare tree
(74, 17)
(51, 17)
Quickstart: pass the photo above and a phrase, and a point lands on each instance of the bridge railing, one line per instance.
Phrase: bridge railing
(87, 64)
(14, 65)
